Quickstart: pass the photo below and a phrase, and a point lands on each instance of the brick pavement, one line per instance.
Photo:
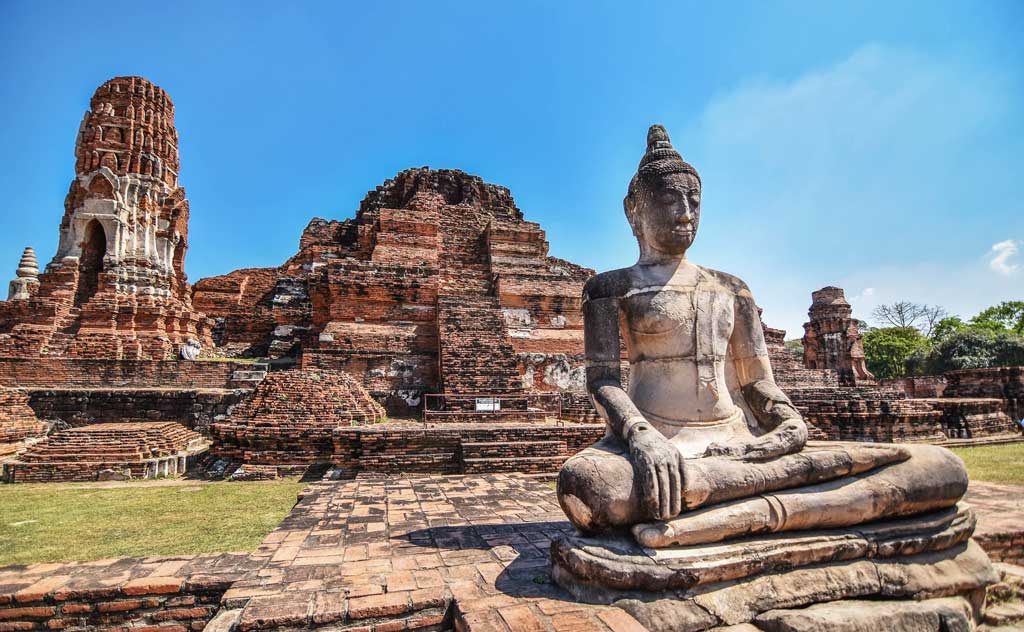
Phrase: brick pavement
(417, 554)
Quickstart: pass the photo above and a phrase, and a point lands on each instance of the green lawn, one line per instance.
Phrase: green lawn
(50, 523)
(995, 463)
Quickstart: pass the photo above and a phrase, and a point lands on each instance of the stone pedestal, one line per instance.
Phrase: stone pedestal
(768, 582)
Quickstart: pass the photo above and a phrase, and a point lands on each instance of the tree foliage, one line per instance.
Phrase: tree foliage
(888, 349)
(975, 348)
(1007, 316)
(995, 337)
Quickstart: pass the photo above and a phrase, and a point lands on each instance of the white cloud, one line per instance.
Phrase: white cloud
(1002, 252)
(854, 174)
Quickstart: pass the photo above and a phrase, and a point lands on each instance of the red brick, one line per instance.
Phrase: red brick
(379, 605)
(521, 619)
(27, 613)
(119, 606)
(152, 585)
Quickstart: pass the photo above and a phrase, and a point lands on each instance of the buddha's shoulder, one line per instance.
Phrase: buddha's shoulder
(611, 284)
(729, 282)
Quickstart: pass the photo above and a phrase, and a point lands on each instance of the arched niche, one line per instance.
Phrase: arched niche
(90, 262)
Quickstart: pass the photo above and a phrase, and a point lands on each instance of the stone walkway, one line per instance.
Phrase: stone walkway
(404, 553)
(1000, 510)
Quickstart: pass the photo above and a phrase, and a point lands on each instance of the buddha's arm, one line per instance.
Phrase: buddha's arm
(785, 430)
(604, 373)
(657, 462)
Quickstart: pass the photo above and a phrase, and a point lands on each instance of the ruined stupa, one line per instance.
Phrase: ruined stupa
(437, 285)
(116, 288)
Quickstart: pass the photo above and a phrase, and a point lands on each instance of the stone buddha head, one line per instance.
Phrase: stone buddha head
(663, 202)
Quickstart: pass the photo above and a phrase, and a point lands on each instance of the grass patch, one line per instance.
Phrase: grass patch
(50, 523)
(995, 463)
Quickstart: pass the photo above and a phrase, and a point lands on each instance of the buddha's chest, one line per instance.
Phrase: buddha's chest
(673, 321)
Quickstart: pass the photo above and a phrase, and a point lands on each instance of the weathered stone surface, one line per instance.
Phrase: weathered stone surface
(952, 614)
(832, 338)
(618, 562)
(116, 287)
(705, 448)
(961, 570)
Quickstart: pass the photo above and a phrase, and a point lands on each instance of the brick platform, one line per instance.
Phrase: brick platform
(175, 593)
(193, 408)
(1001, 525)
(128, 450)
(289, 418)
(452, 448)
(469, 553)
(108, 373)
(17, 421)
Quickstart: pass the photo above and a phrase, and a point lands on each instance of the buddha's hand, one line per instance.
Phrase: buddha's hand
(786, 438)
(659, 467)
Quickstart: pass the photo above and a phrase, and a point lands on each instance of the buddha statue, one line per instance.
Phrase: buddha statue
(703, 446)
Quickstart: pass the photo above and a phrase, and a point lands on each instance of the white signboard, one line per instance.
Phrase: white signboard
(488, 404)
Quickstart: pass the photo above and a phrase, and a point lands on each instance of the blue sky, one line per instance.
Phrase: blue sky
(873, 145)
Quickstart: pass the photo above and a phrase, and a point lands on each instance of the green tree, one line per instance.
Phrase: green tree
(976, 347)
(1007, 316)
(795, 346)
(887, 350)
(947, 327)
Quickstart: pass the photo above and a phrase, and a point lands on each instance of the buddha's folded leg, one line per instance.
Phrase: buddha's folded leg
(932, 478)
(712, 480)
(596, 488)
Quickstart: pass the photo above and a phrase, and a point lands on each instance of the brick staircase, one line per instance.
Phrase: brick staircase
(63, 334)
(475, 353)
(141, 449)
(529, 457)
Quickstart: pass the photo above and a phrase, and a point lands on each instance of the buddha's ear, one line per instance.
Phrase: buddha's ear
(629, 206)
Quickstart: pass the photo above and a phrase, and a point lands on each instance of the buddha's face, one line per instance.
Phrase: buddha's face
(668, 212)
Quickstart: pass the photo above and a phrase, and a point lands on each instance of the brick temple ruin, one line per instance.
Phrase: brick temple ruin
(116, 288)
(438, 296)
(841, 400)
(436, 308)
(437, 285)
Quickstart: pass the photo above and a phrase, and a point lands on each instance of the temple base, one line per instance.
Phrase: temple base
(929, 560)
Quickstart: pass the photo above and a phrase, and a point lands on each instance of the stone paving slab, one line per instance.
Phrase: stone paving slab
(468, 551)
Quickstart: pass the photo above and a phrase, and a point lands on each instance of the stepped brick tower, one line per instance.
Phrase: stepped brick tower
(832, 339)
(116, 287)
(437, 285)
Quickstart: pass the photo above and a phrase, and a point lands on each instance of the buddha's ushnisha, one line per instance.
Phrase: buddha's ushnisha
(703, 421)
